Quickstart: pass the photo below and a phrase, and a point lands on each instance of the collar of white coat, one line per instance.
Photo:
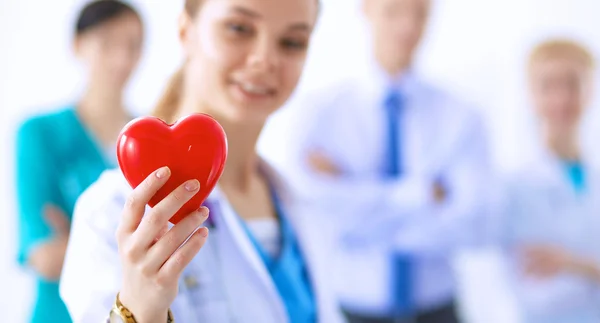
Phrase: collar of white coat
(227, 217)
(546, 166)
(228, 224)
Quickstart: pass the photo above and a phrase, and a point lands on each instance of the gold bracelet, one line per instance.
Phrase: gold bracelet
(128, 317)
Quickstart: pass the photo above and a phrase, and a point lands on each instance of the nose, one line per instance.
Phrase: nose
(264, 55)
(124, 57)
(563, 95)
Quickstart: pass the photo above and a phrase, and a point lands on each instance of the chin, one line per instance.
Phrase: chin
(244, 115)
(244, 107)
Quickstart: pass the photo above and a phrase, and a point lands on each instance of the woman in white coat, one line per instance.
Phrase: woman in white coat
(265, 259)
(552, 220)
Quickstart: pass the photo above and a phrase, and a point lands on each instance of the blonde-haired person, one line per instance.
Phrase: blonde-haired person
(263, 260)
(552, 219)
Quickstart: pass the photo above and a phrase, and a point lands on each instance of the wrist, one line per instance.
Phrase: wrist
(161, 317)
(587, 268)
(139, 315)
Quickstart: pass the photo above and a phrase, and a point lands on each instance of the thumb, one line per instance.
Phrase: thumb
(57, 220)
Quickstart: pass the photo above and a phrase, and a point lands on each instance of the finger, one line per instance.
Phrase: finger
(322, 164)
(141, 195)
(161, 233)
(542, 268)
(174, 266)
(57, 220)
(172, 240)
(155, 220)
(534, 270)
(544, 272)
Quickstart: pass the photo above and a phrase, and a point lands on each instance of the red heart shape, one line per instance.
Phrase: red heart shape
(195, 147)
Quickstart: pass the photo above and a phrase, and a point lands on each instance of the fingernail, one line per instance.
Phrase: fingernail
(204, 210)
(191, 186)
(163, 172)
(204, 232)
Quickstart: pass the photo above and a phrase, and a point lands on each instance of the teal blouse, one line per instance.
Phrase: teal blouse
(56, 160)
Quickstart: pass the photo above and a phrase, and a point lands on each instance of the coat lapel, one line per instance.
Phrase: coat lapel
(314, 235)
(235, 243)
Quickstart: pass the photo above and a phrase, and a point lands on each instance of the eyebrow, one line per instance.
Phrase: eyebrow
(300, 26)
(255, 15)
(246, 12)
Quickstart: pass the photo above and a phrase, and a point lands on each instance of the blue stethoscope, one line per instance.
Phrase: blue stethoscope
(285, 226)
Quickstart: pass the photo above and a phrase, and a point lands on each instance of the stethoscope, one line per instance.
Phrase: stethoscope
(215, 210)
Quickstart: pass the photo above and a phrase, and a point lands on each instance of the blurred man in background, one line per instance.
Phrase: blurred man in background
(403, 166)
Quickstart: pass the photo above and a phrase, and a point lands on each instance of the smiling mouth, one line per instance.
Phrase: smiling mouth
(255, 89)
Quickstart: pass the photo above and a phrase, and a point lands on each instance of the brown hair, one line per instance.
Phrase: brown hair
(170, 100)
(562, 48)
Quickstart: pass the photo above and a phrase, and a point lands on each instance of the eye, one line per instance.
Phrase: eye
(293, 44)
(239, 28)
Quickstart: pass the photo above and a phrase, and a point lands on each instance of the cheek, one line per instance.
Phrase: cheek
(291, 72)
(214, 48)
(96, 60)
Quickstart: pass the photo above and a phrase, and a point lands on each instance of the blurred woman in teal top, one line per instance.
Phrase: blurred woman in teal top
(60, 154)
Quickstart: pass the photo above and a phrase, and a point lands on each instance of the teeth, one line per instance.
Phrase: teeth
(254, 89)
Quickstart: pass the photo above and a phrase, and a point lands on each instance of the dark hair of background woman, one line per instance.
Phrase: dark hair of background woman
(99, 12)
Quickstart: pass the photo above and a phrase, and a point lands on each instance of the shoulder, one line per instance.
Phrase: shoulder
(330, 97)
(527, 178)
(40, 127)
(111, 187)
(100, 205)
(334, 90)
(444, 99)
(58, 117)
(459, 115)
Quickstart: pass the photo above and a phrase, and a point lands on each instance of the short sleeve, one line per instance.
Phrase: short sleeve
(36, 186)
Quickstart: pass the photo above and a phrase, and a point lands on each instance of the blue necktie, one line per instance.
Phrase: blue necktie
(393, 105)
(400, 262)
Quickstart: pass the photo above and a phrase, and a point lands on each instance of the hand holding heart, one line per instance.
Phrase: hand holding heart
(151, 259)
(173, 169)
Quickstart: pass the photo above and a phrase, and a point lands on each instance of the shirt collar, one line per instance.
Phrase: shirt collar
(380, 82)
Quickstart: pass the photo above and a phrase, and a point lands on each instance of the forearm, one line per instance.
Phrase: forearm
(46, 259)
(373, 199)
(438, 228)
(587, 268)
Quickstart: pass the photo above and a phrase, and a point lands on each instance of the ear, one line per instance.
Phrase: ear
(185, 25)
(76, 45)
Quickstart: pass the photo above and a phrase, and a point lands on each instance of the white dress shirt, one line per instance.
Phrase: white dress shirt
(442, 138)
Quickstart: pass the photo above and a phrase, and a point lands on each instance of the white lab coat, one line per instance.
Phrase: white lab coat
(442, 136)
(226, 282)
(542, 206)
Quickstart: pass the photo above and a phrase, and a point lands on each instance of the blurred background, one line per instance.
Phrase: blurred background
(475, 48)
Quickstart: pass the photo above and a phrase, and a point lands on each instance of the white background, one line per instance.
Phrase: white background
(474, 47)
